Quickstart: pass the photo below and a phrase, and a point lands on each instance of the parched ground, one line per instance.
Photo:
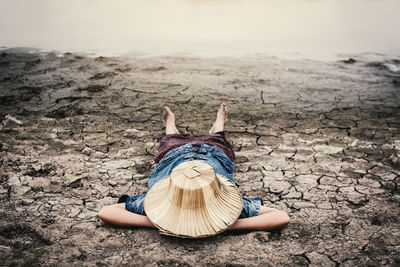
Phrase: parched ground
(320, 140)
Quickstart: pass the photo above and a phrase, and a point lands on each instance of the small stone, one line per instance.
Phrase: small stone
(319, 260)
(112, 182)
(14, 180)
(349, 61)
(113, 260)
(88, 151)
(73, 211)
(260, 236)
(74, 181)
(27, 201)
(301, 205)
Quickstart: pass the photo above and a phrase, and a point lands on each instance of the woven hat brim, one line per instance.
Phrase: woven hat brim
(217, 214)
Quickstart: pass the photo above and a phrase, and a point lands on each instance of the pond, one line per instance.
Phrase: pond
(319, 29)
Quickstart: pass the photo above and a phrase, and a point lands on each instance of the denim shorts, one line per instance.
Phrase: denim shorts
(210, 155)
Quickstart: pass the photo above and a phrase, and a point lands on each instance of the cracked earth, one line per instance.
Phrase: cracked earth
(319, 140)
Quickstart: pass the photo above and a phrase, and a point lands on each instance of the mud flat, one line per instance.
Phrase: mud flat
(320, 140)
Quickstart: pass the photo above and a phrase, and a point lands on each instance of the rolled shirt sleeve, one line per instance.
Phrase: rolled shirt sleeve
(134, 203)
(251, 206)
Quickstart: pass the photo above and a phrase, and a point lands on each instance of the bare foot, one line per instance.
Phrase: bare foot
(222, 117)
(169, 121)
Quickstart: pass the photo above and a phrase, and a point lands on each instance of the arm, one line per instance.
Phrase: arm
(269, 219)
(117, 215)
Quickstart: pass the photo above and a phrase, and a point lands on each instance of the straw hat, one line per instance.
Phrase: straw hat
(193, 201)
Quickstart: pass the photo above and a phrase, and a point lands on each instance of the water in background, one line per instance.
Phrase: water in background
(290, 28)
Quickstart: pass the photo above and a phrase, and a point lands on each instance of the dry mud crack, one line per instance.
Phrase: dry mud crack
(320, 140)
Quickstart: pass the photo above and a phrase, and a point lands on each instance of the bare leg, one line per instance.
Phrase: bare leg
(222, 117)
(269, 219)
(117, 215)
(169, 121)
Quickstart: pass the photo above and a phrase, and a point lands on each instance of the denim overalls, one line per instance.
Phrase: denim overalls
(210, 155)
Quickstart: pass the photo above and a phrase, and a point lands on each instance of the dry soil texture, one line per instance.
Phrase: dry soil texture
(320, 140)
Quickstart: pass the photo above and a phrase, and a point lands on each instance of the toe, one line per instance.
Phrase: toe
(169, 112)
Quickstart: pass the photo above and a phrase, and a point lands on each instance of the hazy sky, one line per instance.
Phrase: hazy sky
(215, 27)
